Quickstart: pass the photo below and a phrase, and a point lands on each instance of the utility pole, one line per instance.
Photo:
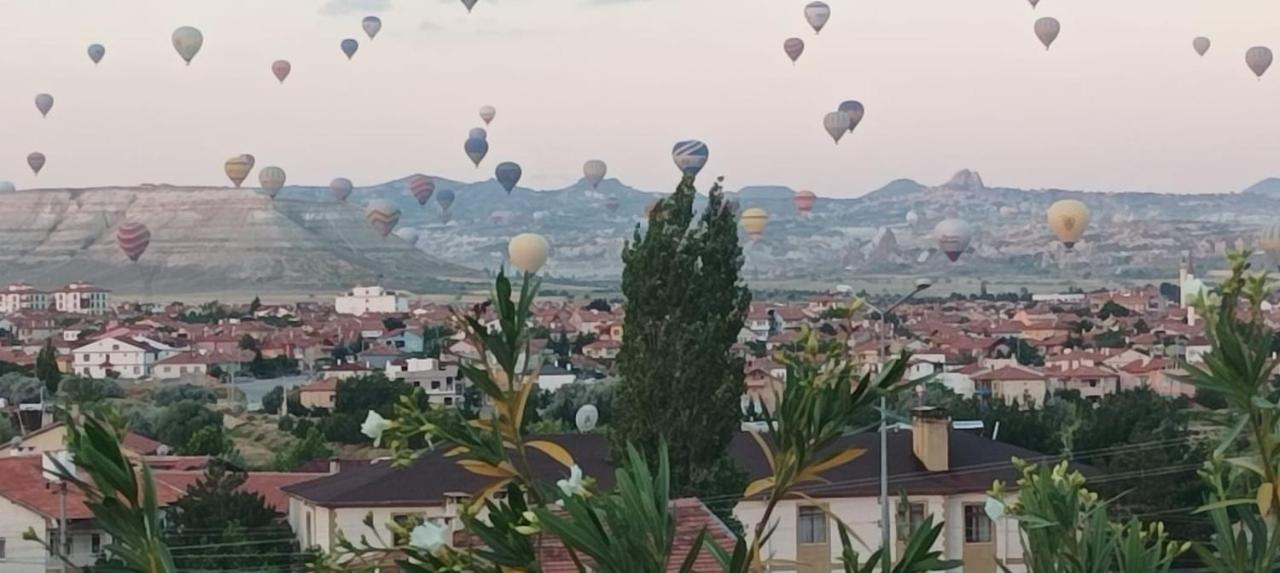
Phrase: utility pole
(64, 538)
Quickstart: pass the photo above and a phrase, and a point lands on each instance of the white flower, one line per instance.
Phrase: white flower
(994, 508)
(374, 425)
(429, 536)
(574, 485)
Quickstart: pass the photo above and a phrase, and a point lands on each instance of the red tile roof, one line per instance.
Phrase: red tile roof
(1010, 373)
(266, 484)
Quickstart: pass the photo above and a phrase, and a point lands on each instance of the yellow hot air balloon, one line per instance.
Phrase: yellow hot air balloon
(238, 168)
(528, 251)
(1068, 220)
(754, 221)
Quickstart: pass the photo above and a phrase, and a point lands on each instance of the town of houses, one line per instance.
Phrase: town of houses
(969, 345)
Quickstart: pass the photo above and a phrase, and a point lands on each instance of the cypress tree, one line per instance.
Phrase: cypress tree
(686, 304)
(47, 367)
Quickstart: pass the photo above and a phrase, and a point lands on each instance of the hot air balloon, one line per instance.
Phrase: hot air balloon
(793, 48)
(96, 51)
(272, 180)
(187, 41)
(422, 187)
(281, 69)
(612, 204)
(341, 188)
(837, 124)
(754, 221)
(476, 149)
(1068, 220)
(487, 113)
(528, 252)
(35, 161)
(133, 239)
(854, 110)
(1047, 30)
(238, 168)
(508, 174)
(913, 218)
(1259, 59)
(445, 198)
(953, 236)
(817, 13)
(7, 187)
(1034, 3)
(371, 25)
(349, 47)
(382, 216)
(690, 156)
(469, 4)
(804, 201)
(409, 234)
(478, 133)
(594, 170)
(1201, 45)
(44, 103)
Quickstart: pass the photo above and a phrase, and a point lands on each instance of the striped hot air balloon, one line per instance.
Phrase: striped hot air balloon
(690, 156)
(133, 238)
(754, 221)
(594, 171)
(341, 188)
(383, 216)
(238, 168)
(422, 187)
(272, 179)
(953, 236)
(804, 201)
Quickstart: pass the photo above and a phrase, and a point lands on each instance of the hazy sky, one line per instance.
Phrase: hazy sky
(1120, 103)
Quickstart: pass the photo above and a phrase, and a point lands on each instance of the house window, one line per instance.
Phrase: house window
(1093, 383)
(115, 347)
(448, 400)
(910, 519)
(95, 544)
(811, 525)
(435, 384)
(405, 522)
(977, 526)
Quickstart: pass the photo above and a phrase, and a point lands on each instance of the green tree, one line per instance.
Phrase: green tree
(248, 342)
(311, 447)
(1112, 308)
(83, 391)
(686, 304)
(207, 441)
(179, 422)
(220, 526)
(255, 305)
(47, 367)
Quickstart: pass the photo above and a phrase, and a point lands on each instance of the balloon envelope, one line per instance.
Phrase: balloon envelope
(133, 239)
(953, 236)
(349, 47)
(371, 25)
(804, 201)
(7, 187)
(272, 179)
(817, 13)
(487, 113)
(508, 175)
(1068, 220)
(422, 187)
(854, 110)
(476, 149)
(280, 69)
(445, 198)
(690, 156)
(36, 162)
(478, 133)
(341, 188)
(469, 4)
(1258, 59)
(383, 216)
(237, 168)
(754, 221)
(913, 217)
(837, 124)
(793, 47)
(96, 52)
(594, 170)
(44, 103)
(1047, 30)
(187, 42)
(409, 234)
(1201, 45)
(528, 251)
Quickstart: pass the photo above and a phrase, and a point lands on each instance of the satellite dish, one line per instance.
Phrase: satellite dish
(587, 417)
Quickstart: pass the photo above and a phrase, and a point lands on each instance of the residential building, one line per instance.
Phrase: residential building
(322, 393)
(191, 366)
(366, 299)
(128, 357)
(1092, 382)
(22, 296)
(82, 298)
(439, 380)
(1026, 386)
(602, 349)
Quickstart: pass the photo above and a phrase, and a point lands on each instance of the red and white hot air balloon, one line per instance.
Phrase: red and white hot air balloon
(383, 216)
(422, 187)
(804, 201)
(133, 239)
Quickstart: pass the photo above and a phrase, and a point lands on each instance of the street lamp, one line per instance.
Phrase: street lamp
(921, 285)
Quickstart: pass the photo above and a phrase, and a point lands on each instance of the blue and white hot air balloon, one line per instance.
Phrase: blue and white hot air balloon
(690, 156)
(508, 174)
(476, 149)
(349, 47)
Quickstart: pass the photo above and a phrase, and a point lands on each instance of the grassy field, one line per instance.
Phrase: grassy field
(259, 440)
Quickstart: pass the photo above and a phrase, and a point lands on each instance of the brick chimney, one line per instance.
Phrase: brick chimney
(931, 437)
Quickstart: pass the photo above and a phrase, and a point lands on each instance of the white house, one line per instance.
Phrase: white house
(82, 298)
(437, 379)
(130, 357)
(22, 296)
(29, 499)
(365, 299)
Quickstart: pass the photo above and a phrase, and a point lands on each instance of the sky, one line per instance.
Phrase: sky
(1120, 103)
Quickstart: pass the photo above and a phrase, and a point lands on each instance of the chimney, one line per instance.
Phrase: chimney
(931, 437)
(334, 466)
